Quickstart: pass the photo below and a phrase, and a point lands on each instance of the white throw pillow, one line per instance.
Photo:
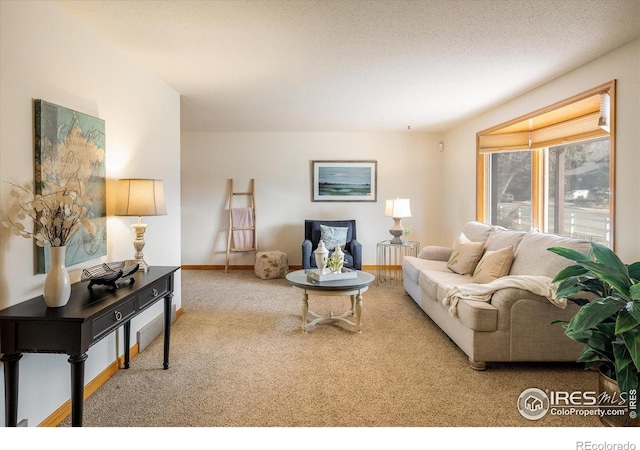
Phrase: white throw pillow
(333, 236)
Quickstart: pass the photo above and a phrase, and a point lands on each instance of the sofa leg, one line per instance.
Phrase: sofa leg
(477, 365)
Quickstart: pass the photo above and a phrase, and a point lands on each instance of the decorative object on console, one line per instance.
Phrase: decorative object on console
(57, 212)
(57, 284)
(397, 209)
(140, 197)
(110, 273)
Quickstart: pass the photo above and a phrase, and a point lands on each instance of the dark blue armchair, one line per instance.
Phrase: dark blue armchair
(312, 233)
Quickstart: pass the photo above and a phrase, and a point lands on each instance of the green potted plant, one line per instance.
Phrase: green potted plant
(608, 322)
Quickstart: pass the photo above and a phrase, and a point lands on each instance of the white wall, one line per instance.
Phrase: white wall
(408, 166)
(623, 64)
(47, 53)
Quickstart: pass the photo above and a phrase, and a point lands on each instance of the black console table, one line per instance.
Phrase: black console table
(90, 315)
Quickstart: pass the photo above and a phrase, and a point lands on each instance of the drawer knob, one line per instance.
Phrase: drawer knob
(155, 292)
(118, 315)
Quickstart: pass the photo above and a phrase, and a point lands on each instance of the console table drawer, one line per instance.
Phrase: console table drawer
(151, 294)
(113, 318)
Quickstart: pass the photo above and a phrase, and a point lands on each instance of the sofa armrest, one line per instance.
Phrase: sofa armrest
(435, 253)
(306, 254)
(506, 298)
(505, 301)
(355, 248)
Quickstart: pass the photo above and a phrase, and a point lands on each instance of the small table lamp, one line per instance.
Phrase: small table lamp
(140, 197)
(397, 209)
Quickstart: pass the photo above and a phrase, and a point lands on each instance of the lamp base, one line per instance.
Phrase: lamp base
(139, 228)
(396, 236)
(396, 230)
(142, 265)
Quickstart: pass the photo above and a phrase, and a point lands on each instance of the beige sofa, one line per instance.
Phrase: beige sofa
(514, 324)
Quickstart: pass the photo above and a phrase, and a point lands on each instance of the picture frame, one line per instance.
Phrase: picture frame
(69, 144)
(344, 181)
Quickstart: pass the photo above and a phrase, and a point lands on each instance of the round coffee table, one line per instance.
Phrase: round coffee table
(352, 287)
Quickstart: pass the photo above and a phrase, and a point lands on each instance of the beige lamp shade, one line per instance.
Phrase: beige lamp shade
(398, 207)
(140, 197)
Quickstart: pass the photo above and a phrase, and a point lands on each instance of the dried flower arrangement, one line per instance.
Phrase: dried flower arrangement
(56, 213)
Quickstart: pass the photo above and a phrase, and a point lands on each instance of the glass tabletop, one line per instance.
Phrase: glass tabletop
(299, 279)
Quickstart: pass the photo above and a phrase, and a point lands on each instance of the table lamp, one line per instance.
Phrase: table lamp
(397, 209)
(140, 197)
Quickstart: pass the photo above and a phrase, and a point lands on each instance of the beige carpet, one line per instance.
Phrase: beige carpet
(239, 359)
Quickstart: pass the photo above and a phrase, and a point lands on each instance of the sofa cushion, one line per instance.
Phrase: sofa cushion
(532, 256)
(500, 238)
(476, 231)
(411, 267)
(435, 252)
(493, 265)
(465, 255)
(434, 281)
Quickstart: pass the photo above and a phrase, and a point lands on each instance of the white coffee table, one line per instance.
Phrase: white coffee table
(352, 287)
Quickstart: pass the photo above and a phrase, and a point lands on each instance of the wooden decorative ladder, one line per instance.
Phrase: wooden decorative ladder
(251, 204)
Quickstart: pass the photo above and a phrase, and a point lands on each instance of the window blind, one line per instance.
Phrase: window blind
(578, 119)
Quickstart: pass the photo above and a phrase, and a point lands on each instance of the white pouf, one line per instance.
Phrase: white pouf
(272, 264)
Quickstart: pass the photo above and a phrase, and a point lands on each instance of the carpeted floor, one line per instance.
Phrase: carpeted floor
(239, 359)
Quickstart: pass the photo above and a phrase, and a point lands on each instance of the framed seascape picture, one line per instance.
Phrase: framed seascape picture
(344, 181)
(70, 151)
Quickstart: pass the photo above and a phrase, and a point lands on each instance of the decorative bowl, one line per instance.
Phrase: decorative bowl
(110, 273)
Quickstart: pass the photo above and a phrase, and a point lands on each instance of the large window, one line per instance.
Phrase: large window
(552, 170)
(510, 190)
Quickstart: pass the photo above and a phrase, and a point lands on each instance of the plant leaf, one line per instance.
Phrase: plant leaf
(619, 281)
(633, 308)
(625, 321)
(631, 339)
(569, 253)
(595, 313)
(626, 373)
(634, 292)
(634, 271)
(569, 287)
(569, 272)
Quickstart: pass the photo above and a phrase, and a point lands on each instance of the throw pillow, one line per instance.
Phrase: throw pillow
(493, 265)
(465, 256)
(333, 236)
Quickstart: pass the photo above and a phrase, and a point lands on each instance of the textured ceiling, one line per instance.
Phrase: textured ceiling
(356, 65)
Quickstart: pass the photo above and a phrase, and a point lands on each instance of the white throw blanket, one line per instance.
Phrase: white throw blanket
(539, 285)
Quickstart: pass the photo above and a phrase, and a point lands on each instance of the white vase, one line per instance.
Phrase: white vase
(321, 254)
(57, 285)
(338, 254)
